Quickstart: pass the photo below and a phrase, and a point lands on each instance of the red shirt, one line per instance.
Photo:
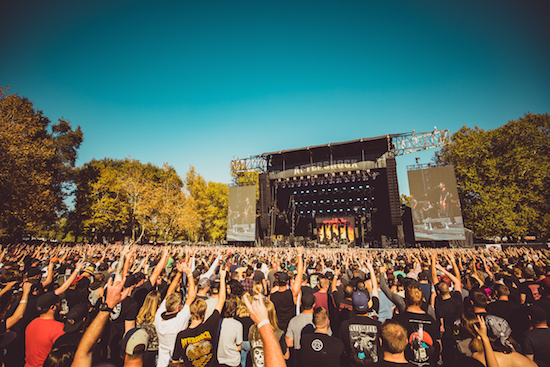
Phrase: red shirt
(40, 335)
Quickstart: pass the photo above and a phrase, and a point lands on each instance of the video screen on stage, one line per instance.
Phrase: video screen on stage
(435, 204)
(241, 214)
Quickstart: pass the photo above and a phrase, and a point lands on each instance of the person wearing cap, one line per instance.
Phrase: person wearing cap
(298, 323)
(42, 332)
(75, 324)
(203, 286)
(360, 332)
(536, 342)
(134, 343)
(285, 299)
(318, 348)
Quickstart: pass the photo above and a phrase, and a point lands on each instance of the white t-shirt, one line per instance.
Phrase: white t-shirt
(167, 330)
(231, 335)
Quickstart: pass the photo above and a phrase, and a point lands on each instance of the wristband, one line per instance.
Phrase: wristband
(265, 322)
(23, 301)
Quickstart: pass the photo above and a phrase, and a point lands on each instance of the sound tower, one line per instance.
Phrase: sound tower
(265, 202)
(393, 191)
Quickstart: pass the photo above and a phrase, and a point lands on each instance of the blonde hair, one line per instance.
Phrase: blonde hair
(198, 309)
(271, 315)
(149, 308)
(172, 301)
(242, 310)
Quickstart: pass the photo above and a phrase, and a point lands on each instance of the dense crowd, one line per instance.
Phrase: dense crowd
(115, 305)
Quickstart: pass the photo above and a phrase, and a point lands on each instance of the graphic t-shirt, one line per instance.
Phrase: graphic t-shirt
(360, 337)
(196, 347)
(423, 349)
(319, 350)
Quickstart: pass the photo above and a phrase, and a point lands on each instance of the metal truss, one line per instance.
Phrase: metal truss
(402, 144)
(415, 142)
(250, 164)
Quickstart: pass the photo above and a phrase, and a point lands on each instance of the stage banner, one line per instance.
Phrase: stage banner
(435, 204)
(241, 214)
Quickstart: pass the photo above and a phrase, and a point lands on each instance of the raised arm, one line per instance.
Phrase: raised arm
(83, 355)
(297, 285)
(49, 278)
(20, 310)
(158, 269)
(373, 279)
(71, 279)
(212, 268)
(223, 290)
(273, 355)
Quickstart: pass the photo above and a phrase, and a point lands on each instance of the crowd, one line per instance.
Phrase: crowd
(115, 305)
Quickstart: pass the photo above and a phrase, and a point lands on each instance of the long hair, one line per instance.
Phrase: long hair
(271, 315)
(242, 310)
(149, 308)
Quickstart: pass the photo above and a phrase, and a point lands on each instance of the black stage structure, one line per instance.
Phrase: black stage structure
(336, 194)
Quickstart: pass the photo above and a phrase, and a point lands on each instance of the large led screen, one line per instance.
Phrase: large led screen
(241, 214)
(435, 204)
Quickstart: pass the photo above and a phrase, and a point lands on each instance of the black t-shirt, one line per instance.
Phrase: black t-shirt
(284, 307)
(319, 350)
(258, 276)
(537, 342)
(247, 323)
(361, 343)
(423, 348)
(450, 310)
(126, 310)
(544, 302)
(70, 339)
(139, 294)
(531, 291)
(383, 363)
(197, 347)
(502, 309)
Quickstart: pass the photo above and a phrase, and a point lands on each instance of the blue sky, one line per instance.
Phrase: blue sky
(199, 82)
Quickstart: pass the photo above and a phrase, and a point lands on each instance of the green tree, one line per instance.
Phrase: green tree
(210, 203)
(36, 166)
(243, 177)
(502, 177)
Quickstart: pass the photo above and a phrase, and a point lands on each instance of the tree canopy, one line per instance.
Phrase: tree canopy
(503, 177)
(36, 166)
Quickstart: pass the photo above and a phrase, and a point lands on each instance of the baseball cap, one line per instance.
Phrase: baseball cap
(48, 299)
(134, 342)
(75, 317)
(204, 282)
(360, 301)
(282, 276)
(90, 270)
(308, 299)
(34, 272)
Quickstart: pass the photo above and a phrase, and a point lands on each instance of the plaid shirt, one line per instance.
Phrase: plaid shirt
(248, 284)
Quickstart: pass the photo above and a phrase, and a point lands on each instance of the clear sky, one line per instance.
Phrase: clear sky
(199, 82)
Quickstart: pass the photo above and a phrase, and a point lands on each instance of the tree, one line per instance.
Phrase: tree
(175, 210)
(36, 166)
(242, 177)
(210, 204)
(502, 177)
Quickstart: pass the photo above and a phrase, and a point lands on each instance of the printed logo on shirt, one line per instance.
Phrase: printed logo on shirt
(421, 343)
(317, 345)
(116, 311)
(363, 342)
(198, 349)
